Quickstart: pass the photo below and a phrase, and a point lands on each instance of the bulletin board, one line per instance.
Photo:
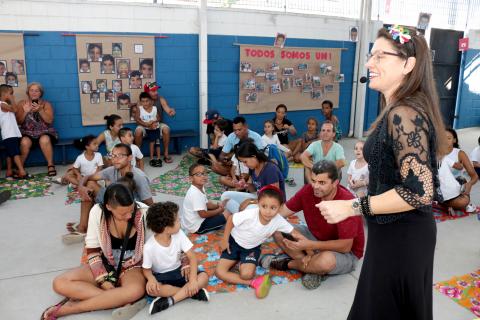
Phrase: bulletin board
(111, 73)
(300, 78)
(13, 69)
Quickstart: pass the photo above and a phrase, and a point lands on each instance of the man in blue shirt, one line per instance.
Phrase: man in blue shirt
(240, 133)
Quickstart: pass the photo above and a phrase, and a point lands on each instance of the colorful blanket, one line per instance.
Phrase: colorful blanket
(38, 186)
(441, 213)
(464, 290)
(207, 250)
(176, 181)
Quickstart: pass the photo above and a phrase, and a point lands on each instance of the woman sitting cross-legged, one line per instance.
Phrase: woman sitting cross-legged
(97, 285)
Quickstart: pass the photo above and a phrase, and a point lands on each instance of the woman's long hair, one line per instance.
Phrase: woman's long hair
(248, 150)
(418, 87)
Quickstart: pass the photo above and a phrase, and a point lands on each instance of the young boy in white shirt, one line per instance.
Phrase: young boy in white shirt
(161, 260)
(126, 136)
(11, 135)
(199, 214)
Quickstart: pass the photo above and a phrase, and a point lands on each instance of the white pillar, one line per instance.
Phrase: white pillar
(365, 37)
(203, 71)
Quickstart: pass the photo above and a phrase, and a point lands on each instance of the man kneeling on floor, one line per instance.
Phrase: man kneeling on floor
(336, 247)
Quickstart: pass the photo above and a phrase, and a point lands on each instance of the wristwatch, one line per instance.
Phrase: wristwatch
(356, 207)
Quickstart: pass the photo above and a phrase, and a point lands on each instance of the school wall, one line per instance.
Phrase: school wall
(51, 56)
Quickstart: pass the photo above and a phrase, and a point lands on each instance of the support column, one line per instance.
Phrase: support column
(203, 71)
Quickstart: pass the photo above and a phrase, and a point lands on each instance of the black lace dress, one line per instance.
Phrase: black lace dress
(396, 277)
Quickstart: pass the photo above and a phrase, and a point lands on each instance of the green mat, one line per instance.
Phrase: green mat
(38, 186)
(176, 181)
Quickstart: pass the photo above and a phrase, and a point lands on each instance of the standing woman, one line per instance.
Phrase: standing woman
(93, 286)
(401, 150)
(35, 118)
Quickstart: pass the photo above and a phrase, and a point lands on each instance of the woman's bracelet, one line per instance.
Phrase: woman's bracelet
(365, 207)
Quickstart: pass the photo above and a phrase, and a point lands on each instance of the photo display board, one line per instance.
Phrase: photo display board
(13, 69)
(111, 73)
(300, 78)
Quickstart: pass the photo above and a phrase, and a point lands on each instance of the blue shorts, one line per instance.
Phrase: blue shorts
(238, 253)
(153, 135)
(12, 147)
(212, 223)
(173, 278)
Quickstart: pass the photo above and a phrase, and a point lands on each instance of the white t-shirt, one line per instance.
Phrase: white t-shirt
(249, 232)
(87, 167)
(449, 186)
(8, 125)
(195, 200)
(136, 154)
(146, 116)
(358, 174)
(240, 167)
(475, 155)
(222, 140)
(274, 140)
(163, 259)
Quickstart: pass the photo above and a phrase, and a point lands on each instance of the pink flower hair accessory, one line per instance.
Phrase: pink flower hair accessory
(399, 34)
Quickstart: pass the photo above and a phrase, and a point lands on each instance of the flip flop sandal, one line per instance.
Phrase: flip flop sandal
(72, 226)
(168, 159)
(53, 315)
(73, 237)
(130, 310)
(26, 176)
(51, 173)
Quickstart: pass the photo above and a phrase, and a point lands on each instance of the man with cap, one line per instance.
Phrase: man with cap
(162, 105)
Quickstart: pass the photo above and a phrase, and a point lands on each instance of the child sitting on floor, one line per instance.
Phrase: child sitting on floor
(244, 234)
(161, 260)
(11, 135)
(219, 138)
(110, 136)
(270, 137)
(307, 138)
(148, 117)
(199, 214)
(126, 136)
(87, 163)
(358, 172)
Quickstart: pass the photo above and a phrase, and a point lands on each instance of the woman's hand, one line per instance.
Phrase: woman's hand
(35, 107)
(336, 211)
(27, 107)
(85, 193)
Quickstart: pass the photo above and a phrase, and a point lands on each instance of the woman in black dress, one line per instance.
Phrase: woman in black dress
(401, 150)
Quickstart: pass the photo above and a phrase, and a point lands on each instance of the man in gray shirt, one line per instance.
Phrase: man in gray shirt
(91, 192)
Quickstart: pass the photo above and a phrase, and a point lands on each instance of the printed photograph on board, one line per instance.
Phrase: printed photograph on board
(249, 84)
(259, 86)
(271, 76)
(83, 66)
(280, 40)
(316, 81)
(275, 88)
(245, 66)
(298, 82)
(259, 72)
(117, 85)
(146, 68)
(18, 66)
(251, 97)
(11, 79)
(110, 96)
(123, 68)
(339, 77)
(288, 71)
(101, 85)
(117, 50)
(108, 64)
(316, 94)
(94, 52)
(95, 97)
(302, 66)
(86, 87)
(123, 101)
(274, 66)
(3, 67)
(307, 87)
(135, 81)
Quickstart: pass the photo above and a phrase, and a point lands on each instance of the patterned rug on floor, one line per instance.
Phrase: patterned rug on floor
(441, 214)
(207, 250)
(38, 186)
(464, 290)
(176, 181)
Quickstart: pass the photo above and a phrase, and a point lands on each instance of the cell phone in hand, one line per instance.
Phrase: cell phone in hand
(35, 101)
(288, 236)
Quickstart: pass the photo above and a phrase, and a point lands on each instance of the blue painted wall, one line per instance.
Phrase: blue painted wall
(468, 109)
(223, 64)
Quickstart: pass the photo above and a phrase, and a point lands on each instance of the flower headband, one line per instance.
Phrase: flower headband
(399, 34)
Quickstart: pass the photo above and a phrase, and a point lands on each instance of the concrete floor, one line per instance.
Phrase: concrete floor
(33, 255)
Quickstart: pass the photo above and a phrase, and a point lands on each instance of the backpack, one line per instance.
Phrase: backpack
(278, 157)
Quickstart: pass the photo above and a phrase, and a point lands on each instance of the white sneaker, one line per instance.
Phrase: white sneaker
(470, 208)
